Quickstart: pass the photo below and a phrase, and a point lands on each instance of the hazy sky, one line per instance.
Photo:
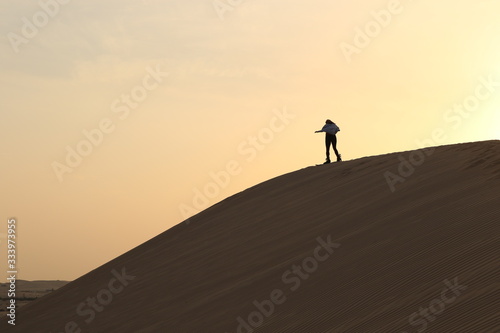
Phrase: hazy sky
(117, 114)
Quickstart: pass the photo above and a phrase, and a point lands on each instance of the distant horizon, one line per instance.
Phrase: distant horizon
(39, 281)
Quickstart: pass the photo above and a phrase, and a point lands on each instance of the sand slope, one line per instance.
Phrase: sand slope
(433, 242)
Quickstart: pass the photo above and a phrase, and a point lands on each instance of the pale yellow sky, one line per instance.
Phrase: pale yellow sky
(162, 96)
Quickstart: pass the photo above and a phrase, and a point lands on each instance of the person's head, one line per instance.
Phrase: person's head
(328, 121)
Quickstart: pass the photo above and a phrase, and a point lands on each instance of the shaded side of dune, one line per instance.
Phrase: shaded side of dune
(333, 248)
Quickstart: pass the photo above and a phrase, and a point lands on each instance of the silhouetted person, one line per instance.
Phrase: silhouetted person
(330, 139)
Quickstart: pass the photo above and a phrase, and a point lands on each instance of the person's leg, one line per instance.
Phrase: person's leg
(327, 144)
(334, 145)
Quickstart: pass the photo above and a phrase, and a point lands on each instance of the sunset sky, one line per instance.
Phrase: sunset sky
(121, 118)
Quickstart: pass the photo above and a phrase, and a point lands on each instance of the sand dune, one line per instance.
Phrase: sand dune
(331, 248)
